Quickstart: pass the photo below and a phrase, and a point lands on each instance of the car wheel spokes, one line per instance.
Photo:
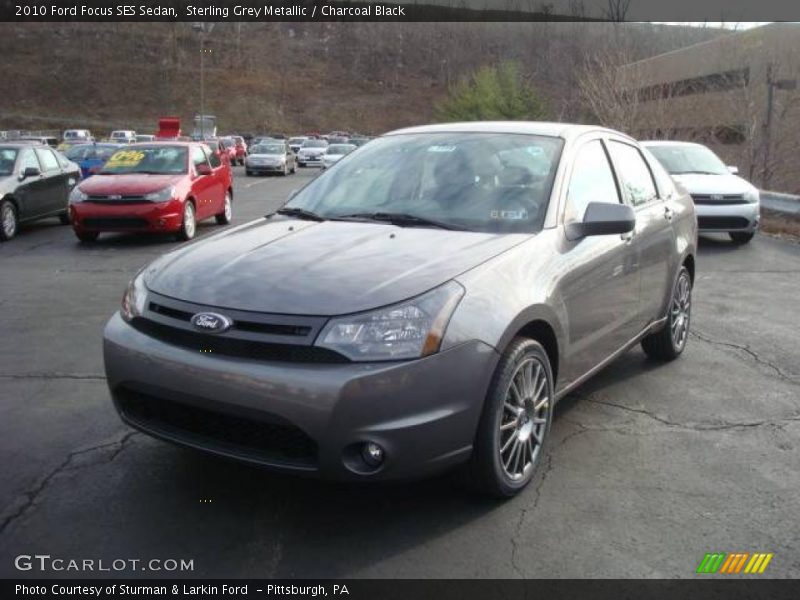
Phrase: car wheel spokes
(680, 311)
(9, 222)
(524, 419)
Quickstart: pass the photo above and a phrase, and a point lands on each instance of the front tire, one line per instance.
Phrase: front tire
(224, 218)
(670, 341)
(189, 224)
(740, 238)
(64, 218)
(87, 237)
(515, 422)
(9, 221)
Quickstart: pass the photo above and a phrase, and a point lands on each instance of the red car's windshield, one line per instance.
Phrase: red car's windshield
(154, 160)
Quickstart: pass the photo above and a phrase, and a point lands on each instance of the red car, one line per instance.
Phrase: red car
(155, 187)
(241, 149)
(230, 148)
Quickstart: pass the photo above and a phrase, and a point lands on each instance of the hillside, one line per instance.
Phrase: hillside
(368, 77)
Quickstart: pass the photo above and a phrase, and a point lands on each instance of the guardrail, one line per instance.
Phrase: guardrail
(783, 203)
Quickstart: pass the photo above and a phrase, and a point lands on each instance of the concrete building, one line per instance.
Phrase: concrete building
(738, 93)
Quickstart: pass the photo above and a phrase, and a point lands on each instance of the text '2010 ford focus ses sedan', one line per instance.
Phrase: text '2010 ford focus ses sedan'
(421, 306)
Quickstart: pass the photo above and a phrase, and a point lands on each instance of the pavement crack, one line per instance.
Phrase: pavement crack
(546, 468)
(33, 494)
(747, 350)
(56, 375)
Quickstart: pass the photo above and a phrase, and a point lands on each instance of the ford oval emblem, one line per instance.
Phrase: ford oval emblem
(211, 322)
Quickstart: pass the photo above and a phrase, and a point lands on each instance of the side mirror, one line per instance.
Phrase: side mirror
(603, 218)
(29, 172)
(203, 170)
(733, 169)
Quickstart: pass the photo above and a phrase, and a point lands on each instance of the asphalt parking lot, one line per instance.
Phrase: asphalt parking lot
(648, 468)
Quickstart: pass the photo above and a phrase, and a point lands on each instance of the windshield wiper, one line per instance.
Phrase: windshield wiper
(400, 219)
(299, 213)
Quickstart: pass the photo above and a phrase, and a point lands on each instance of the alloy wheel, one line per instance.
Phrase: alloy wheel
(228, 207)
(189, 224)
(9, 220)
(680, 311)
(523, 424)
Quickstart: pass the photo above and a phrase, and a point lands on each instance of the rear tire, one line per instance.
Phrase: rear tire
(741, 238)
(670, 341)
(189, 225)
(87, 237)
(516, 419)
(9, 221)
(224, 218)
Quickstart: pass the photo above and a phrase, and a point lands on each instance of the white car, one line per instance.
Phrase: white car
(123, 136)
(296, 142)
(336, 152)
(724, 202)
(311, 152)
(77, 135)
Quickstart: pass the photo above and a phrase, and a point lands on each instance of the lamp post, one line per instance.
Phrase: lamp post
(203, 29)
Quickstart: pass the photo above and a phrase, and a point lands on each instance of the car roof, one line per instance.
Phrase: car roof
(19, 144)
(561, 130)
(669, 143)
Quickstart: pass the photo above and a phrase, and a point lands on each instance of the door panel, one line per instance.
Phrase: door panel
(32, 191)
(54, 182)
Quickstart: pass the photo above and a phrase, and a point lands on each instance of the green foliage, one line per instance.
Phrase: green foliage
(493, 93)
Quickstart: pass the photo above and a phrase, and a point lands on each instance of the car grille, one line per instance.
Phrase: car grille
(719, 199)
(116, 200)
(266, 438)
(114, 222)
(722, 222)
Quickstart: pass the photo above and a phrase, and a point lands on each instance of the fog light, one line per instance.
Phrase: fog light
(372, 454)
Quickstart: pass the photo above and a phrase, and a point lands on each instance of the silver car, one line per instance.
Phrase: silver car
(270, 157)
(335, 152)
(421, 306)
(311, 152)
(725, 203)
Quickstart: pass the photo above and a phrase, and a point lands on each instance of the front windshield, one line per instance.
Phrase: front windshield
(296, 140)
(227, 143)
(87, 151)
(155, 160)
(268, 149)
(315, 144)
(682, 159)
(340, 149)
(8, 157)
(488, 182)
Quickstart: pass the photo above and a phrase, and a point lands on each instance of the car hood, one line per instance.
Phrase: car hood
(314, 150)
(696, 183)
(289, 266)
(132, 184)
(264, 155)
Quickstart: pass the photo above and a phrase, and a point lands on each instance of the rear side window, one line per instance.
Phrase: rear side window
(213, 158)
(592, 181)
(198, 156)
(48, 159)
(666, 187)
(635, 176)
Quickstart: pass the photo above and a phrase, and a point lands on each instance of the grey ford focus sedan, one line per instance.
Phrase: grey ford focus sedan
(421, 306)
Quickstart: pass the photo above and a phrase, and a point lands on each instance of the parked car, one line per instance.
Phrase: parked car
(296, 142)
(35, 182)
(123, 136)
(725, 203)
(229, 146)
(91, 157)
(270, 157)
(336, 152)
(311, 152)
(399, 317)
(358, 141)
(73, 136)
(41, 139)
(160, 187)
(241, 148)
(142, 137)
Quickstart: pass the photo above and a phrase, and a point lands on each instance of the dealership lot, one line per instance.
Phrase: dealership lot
(648, 468)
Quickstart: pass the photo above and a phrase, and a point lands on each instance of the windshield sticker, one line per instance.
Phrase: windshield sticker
(509, 215)
(125, 158)
(442, 149)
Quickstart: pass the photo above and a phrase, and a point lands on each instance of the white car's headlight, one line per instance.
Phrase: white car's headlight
(168, 193)
(410, 329)
(76, 195)
(134, 299)
(751, 196)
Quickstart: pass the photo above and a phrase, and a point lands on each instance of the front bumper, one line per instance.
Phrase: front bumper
(308, 160)
(264, 168)
(145, 216)
(424, 413)
(727, 217)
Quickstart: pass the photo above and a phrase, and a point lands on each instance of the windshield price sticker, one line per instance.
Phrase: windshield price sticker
(125, 158)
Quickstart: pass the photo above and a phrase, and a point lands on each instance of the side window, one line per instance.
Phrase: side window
(666, 187)
(28, 159)
(591, 181)
(213, 158)
(198, 156)
(634, 173)
(48, 159)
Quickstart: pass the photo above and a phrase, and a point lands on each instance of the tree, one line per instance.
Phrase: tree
(490, 93)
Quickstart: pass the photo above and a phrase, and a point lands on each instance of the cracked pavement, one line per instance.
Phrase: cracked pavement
(648, 466)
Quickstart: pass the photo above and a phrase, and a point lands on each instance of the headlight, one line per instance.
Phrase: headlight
(411, 329)
(167, 193)
(751, 196)
(134, 298)
(76, 195)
